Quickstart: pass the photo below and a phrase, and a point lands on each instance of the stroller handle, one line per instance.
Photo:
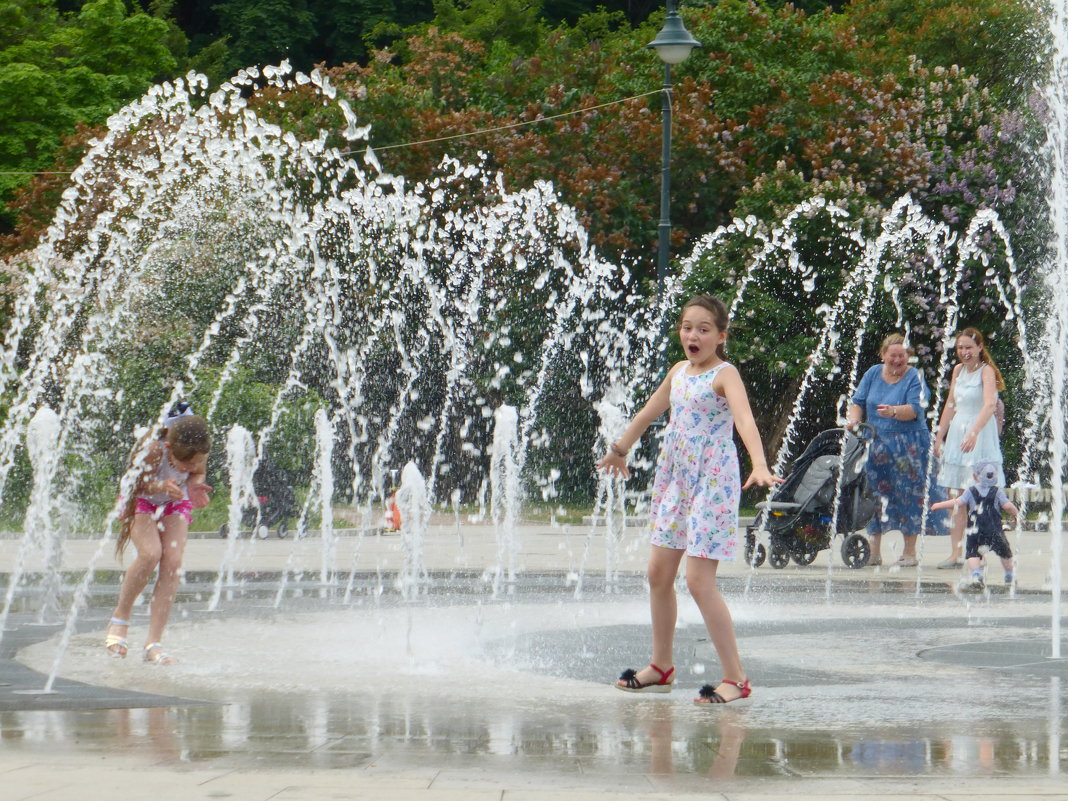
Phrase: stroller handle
(862, 431)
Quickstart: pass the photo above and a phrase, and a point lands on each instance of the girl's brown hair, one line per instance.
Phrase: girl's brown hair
(187, 436)
(720, 316)
(976, 336)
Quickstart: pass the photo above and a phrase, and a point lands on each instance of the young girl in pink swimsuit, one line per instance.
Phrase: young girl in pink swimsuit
(157, 521)
(694, 509)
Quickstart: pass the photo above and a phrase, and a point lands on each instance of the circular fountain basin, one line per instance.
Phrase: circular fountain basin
(845, 686)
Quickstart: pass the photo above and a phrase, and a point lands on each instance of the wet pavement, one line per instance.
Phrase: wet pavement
(872, 683)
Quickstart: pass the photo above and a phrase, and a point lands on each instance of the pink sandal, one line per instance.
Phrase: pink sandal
(707, 695)
(629, 677)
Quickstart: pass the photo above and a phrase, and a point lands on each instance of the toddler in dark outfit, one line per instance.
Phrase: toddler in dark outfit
(985, 501)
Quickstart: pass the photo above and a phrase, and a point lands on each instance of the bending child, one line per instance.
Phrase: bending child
(985, 501)
(157, 520)
(694, 510)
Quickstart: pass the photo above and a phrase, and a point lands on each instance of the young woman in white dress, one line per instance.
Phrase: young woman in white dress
(968, 429)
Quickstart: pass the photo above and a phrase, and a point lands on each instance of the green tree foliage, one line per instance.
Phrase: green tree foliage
(517, 23)
(267, 31)
(995, 40)
(60, 69)
(772, 92)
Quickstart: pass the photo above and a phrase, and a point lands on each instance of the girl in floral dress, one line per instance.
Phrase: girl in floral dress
(694, 508)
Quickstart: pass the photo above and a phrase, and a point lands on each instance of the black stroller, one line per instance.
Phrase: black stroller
(796, 521)
(277, 503)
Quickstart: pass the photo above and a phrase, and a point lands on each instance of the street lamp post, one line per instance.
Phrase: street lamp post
(673, 44)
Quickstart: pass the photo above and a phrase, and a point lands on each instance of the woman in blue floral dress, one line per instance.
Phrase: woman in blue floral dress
(893, 397)
(694, 510)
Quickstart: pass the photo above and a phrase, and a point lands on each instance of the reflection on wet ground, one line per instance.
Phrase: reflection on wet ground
(873, 681)
(315, 732)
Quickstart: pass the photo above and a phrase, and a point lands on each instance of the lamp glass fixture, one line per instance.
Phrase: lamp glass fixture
(674, 43)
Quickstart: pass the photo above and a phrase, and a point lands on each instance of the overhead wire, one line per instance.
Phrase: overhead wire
(479, 132)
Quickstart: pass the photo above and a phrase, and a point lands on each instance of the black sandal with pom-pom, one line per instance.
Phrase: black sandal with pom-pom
(630, 684)
(707, 695)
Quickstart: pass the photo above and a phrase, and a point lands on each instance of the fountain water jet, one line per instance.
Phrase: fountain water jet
(414, 503)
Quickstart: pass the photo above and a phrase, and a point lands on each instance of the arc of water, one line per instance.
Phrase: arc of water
(505, 492)
(240, 455)
(613, 413)
(41, 437)
(139, 465)
(324, 438)
(600, 502)
(1056, 279)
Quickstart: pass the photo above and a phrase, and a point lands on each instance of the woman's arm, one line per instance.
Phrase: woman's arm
(990, 405)
(910, 410)
(855, 414)
(915, 393)
(615, 461)
(949, 409)
(730, 386)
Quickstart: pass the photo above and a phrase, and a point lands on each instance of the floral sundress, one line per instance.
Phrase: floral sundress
(697, 484)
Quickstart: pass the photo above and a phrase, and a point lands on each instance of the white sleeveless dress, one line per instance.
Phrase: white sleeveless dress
(956, 471)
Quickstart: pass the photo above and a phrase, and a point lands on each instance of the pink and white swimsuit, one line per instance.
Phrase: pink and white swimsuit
(150, 504)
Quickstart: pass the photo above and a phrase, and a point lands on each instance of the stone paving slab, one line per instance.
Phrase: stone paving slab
(72, 778)
(537, 548)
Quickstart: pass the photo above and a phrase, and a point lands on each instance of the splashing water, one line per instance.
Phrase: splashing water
(414, 503)
(1054, 344)
(504, 485)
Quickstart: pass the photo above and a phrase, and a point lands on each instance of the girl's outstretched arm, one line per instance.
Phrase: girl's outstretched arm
(198, 491)
(615, 461)
(730, 386)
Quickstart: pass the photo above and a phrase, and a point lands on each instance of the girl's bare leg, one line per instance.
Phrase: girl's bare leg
(663, 608)
(172, 547)
(958, 519)
(701, 579)
(144, 535)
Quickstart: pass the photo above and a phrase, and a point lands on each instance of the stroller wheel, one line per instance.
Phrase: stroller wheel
(805, 554)
(262, 531)
(755, 556)
(779, 556)
(283, 530)
(856, 551)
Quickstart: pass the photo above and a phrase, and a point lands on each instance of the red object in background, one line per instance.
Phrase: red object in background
(393, 515)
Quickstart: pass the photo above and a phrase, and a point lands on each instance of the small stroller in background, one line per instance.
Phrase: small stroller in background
(277, 503)
(795, 523)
